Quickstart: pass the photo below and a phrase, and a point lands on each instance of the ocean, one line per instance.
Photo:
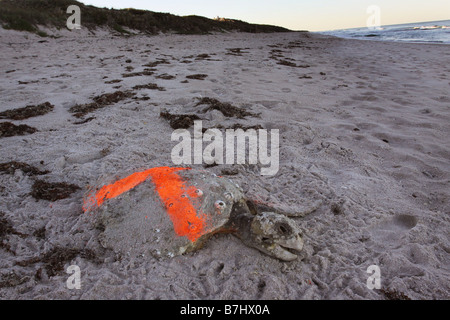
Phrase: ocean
(428, 32)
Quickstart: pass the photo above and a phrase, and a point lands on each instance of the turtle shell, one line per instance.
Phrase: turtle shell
(162, 211)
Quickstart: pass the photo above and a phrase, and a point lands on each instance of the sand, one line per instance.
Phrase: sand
(364, 154)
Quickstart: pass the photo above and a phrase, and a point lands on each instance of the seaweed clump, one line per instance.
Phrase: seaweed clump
(12, 166)
(199, 76)
(8, 129)
(156, 63)
(150, 86)
(42, 190)
(27, 112)
(227, 109)
(179, 121)
(55, 259)
(394, 294)
(5, 227)
(146, 72)
(100, 102)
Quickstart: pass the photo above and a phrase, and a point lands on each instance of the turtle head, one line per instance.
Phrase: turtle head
(276, 235)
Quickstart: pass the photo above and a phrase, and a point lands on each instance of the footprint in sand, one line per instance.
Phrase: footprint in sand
(365, 97)
(391, 231)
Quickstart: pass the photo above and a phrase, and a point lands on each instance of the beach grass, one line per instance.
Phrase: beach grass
(28, 15)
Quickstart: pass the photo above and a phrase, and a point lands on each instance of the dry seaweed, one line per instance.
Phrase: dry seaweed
(12, 166)
(40, 233)
(165, 76)
(227, 109)
(394, 294)
(203, 56)
(229, 171)
(235, 51)
(156, 63)
(110, 98)
(285, 62)
(179, 121)
(295, 44)
(28, 82)
(276, 53)
(12, 279)
(235, 126)
(55, 259)
(5, 226)
(197, 76)
(245, 128)
(337, 208)
(100, 102)
(85, 120)
(113, 81)
(151, 86)
(27, 112)
(42, 190)
(141, 98)
(146, 72)
(211, 165)
(8, 129)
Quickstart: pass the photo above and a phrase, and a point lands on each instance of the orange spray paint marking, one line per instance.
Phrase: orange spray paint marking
(176, 197)
(173, 192)
(116, 189)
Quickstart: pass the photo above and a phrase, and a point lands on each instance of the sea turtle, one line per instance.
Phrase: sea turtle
(167, 211)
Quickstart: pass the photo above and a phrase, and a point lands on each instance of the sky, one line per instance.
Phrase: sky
(312, 15)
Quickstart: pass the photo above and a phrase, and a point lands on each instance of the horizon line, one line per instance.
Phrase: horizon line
(384, 25)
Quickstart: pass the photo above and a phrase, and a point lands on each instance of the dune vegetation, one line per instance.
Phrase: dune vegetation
(28, 15)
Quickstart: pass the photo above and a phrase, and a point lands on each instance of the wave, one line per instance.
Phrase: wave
(430, 27)
(429, 32)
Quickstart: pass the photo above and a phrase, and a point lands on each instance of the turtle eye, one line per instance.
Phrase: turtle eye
(199, 192)
(219, 204)
(284, 229)
(229, 196)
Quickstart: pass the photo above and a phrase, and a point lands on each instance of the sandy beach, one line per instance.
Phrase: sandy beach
(364, 154)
